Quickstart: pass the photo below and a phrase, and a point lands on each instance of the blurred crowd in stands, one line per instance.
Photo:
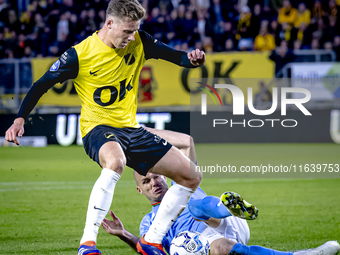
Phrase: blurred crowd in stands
(38, 28)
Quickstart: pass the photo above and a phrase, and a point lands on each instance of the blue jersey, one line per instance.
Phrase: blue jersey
(185, 221)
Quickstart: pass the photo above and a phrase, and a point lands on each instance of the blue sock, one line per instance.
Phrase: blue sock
(241, 249)
(210, 206)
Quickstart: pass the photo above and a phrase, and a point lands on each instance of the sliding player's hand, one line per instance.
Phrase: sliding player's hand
(17, 129)
(197, 57)
(113, 227)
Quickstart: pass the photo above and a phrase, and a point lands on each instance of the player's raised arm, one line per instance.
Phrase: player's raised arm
(115, 227)
(156, 49)
(66, 67)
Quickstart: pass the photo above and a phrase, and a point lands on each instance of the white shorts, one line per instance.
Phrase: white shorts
(233, 228)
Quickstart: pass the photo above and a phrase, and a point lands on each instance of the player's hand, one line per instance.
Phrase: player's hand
(113, 227)
(197, 57)
(17, 129)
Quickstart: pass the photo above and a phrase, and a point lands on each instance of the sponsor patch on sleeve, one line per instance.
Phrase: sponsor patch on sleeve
(55, 66)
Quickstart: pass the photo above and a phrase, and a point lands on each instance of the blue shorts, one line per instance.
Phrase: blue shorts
(142, 149)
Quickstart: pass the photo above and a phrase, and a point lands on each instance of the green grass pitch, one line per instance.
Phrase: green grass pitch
(44, 194)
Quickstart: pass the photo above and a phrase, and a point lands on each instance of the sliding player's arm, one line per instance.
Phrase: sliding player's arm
(66, 67)
(115, 227)
(158, 50)
(183, 142)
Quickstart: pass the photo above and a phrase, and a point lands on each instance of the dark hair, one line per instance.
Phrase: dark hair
(125, 9)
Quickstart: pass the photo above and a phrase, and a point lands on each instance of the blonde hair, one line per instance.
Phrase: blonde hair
(125, 9)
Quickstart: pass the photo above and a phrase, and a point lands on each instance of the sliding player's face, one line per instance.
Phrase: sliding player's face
(153, 186)
(123, 32)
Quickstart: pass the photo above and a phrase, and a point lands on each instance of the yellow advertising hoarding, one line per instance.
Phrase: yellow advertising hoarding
(165, 84)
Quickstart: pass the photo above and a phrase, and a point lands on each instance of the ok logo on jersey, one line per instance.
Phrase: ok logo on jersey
(113, 93)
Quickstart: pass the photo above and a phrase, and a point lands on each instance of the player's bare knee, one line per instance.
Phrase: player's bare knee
(221, 246)
(115, 164)
(215, 247)
(198, 178)
(223, 250)
(216, 251)
(193, 182)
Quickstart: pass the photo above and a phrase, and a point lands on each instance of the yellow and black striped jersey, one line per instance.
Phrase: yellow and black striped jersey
(107, 83)
(106, 79)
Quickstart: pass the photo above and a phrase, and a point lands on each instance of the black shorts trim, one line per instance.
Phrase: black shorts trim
(142, 149)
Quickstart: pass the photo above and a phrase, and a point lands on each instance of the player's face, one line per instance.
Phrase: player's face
(153, 186)
(122, 32)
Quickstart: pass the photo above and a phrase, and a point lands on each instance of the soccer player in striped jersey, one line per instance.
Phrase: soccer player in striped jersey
(105, 69)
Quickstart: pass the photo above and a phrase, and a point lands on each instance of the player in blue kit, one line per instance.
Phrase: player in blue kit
(226, 234)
